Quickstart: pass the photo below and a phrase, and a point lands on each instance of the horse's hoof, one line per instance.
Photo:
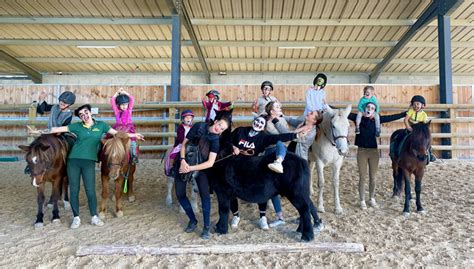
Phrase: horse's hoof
(131, 198)
(307, 238)
(102, 215)
(49, 206)
(67, 205)
(169, 201)
(339, 211)
(56, 221)
(421, 212)
(119, 214)
(318, 227)
(406, 214)
(39, 225)
(321, 209)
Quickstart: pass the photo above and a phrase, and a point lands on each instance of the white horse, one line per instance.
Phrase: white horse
(329, 149)
(194, 190)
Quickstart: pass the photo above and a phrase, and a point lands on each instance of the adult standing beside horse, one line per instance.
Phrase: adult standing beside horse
(204, 138)
(82, 158)
(367, 152)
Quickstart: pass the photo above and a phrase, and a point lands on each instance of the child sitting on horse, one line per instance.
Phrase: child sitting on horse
(316, 95)
(260, 103)
(187, 118)
(60, 114)
(122, 104)
(416, 115)
(368, 97)
(212, 104)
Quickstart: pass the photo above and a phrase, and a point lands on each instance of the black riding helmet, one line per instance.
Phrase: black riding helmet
(418, 98)
(266, 83)
(122, 99)
(67, 97)
(323, 76)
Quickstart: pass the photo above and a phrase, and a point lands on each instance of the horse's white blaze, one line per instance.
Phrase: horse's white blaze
(34, 182)
(334, 128)
(34, 159)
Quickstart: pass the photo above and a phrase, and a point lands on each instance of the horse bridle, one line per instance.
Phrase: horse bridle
(334, 138)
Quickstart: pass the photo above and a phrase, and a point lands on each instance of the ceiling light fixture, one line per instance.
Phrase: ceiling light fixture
(297, 47)
(96, 47)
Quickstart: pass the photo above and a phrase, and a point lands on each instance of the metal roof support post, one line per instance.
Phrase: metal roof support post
(175, 57)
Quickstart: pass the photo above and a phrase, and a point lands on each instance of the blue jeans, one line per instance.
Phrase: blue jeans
(279, 149)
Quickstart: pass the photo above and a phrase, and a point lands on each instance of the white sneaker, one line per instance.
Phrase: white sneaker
(234, 224)
(276, 223)
(276, 167)
(76, 222)
(262, 222)
(363, 206)
(97, 221)
(373, 203)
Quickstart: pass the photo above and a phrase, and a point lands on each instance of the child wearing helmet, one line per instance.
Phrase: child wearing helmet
(212, 104)
(415, 115)
(60, 114)
(316, 95)
(260, 103)
(122, 104)
(187, 118)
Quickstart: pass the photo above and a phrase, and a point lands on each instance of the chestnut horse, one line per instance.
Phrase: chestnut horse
(46, 158)
(116, 165)
(410, 159)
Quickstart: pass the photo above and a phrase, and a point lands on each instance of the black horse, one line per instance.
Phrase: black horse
(409, 154)
(249, 179)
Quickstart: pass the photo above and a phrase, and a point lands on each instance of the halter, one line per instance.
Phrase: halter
(334, 138)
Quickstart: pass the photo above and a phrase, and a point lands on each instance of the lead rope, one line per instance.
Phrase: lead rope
(246, 152)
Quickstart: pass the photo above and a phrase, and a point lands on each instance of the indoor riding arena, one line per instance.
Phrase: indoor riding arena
(146, 63)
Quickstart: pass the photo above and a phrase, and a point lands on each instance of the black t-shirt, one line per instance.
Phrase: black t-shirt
(366, 138)
(200, 132)
(242, 140)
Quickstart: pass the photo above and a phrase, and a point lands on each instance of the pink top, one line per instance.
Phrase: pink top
(123, 119)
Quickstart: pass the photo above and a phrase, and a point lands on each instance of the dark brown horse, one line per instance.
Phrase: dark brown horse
(116, 165)
(409, 154)
(46, 158)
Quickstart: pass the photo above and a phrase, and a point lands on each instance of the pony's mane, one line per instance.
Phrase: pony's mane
(48, 155)
(420, 134)
(116, 147)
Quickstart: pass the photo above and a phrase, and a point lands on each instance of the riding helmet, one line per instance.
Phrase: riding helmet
(266, 83)
(418, 98)
(122, 99)
(215, 93)
(323, 76)
(67, 97)
(187, 112)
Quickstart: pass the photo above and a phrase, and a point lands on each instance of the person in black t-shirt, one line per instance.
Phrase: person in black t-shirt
(367, 153)
(200, 134)
(255, 140)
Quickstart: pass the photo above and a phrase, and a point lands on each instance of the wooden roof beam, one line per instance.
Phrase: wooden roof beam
(426, 17)
(35, 76)
(319, 22)
(227, 43)
(86, 20)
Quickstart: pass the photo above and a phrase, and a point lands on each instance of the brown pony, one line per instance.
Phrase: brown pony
(46, 158)
(116, 165)
(409, 156)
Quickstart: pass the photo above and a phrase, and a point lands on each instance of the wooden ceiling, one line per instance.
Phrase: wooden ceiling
(234, 36)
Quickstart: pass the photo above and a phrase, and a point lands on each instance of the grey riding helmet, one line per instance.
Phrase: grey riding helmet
(67, 97)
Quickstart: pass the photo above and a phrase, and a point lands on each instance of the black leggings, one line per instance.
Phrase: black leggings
(203, 186)
(234, 207)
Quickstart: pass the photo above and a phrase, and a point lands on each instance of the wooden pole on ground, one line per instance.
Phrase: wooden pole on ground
(220, 249)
